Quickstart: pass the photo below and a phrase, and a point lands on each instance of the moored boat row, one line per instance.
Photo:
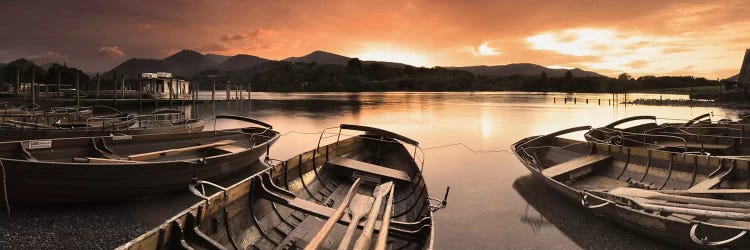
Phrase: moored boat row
(687, 184)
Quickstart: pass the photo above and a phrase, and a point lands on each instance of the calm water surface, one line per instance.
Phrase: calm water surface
(493, 203)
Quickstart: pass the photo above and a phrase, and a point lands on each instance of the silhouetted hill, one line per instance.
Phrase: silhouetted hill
(320, 57)
(217, 58)
(733, 78)
(9, 71)
(183, 64)
(524, 69)
(241, 61)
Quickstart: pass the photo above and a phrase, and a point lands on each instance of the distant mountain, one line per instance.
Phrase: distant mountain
(241, 61)
(320, 57)
(46, 66)
(524, 69)
(217, 58)
(183, 64)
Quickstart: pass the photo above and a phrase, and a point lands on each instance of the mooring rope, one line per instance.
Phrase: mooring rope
(5, 189)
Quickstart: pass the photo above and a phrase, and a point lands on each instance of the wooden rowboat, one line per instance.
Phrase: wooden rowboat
(299, 203)
(697, 136)
(685, 199)
(145, 124)
(106, 168)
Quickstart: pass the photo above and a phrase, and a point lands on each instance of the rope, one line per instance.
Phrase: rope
(469, 148)
(5, 189)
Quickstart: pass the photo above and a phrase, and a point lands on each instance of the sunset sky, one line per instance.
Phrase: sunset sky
(701, 38)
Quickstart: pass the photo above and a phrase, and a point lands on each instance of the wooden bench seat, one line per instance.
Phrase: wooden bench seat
(576, 167)
(231, 148)
(360, 166)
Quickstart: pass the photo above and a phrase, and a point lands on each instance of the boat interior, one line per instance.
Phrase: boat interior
(300, 202)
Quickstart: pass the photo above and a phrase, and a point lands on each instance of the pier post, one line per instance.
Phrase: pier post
(78, 92)
(171, 92)
(114, 90)
(140, 99)
(213, 93)
(227, 87)
(587, 100)
(33, 91)
(575, 100)
(98, 85)
(58, 83)
(239, 86)
(600, 102)
(565, 100)
(18, 82)
(554, 100)
(122, 87)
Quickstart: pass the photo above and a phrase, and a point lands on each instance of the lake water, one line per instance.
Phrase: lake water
(493, 202)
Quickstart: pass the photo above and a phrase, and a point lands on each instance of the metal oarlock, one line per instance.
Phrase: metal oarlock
(704, 240)
(440, 203)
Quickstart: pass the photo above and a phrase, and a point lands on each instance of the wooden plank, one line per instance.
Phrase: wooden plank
(370, 168)
(105, 160)
(695, 145)
(231, 148)
(575, 165)
(168, 152)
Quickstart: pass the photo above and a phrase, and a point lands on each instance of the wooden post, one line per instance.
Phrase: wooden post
(239, 86)
(170, 92)
(58, 83)
(213, 93)
(33, 92)
(140, 98)
(227, 87)
(98, 85)
(600, 102)
(78, 92)
(114, 89)
(122, 87)
(18, 82)
(587, 100)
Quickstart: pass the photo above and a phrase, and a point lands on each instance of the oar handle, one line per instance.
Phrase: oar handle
(383, 234)
(328, 226)
(363, 242)
(349, 233)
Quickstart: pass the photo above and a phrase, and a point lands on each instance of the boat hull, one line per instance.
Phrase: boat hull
(54, 181)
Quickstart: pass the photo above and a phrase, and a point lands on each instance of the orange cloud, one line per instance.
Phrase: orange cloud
(257, 34)
(47, 56)
(111, 51)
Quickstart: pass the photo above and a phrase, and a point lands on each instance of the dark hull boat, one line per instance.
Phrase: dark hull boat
(96, 117)
(148, 124)
(299, 203)
(685, 199)
(93, 169)
(694, 136)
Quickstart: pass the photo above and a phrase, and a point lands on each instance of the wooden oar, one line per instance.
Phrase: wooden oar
(384, 225)
(358, 208)
(648, 194)
(695, 212)
(326, 229)
(692, 206)
(364, 240)
(168, 152)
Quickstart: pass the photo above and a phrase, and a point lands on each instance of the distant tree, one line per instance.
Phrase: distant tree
(568, 75)
(543, 77)
(624, 77)
(354, 67)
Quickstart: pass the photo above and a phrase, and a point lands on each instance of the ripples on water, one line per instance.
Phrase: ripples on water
(493, 202)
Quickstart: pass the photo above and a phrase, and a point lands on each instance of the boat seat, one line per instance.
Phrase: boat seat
(231, 148)
(359, 167)
(711, 182)
(575, 168)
